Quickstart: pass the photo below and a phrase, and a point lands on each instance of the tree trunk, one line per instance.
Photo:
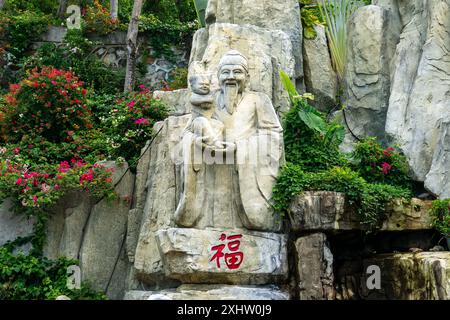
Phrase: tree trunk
(132, 46)
(114, 9)
(62, 8)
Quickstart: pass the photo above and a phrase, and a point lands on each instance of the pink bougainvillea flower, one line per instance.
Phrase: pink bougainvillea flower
(64, 167)
(386, 167)
(131, 104)
(19, 181)
(88, 176)
(142, 121)
(16, 150)
(35, 200)
(57, 187)
(45, 187)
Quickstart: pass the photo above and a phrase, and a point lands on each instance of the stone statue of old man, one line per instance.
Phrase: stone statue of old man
(242, 133)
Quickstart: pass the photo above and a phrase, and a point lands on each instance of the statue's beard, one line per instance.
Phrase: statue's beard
(230, 95)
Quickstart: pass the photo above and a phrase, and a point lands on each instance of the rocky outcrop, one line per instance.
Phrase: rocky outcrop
(403, 276)
(438, 179)
(320, 78)
(268, 51)
(207, 256)
(160, 198)
(94, 233)
(273, 15)
(13, 226)
(314, 268)
(398, 82)
(368, 72)
(211, 292)
(177, 101)
(328, 211)
(420, 95)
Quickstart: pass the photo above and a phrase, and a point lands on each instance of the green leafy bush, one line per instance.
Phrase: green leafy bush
(178, 79)
(76, 53)
(127, 124)
(20, 30)
(440, 214)
(39, 6)
(309, 140)
(26, 277)
(315, 163)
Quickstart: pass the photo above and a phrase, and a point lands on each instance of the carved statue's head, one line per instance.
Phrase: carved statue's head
(233, 71)
(200, 83)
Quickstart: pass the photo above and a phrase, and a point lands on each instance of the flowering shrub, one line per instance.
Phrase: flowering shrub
(50, 103)
(378, 165)
(43, 186)
(98, 19)
(128, 124)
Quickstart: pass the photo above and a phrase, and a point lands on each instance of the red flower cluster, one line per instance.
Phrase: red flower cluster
(49, 103)
(385, 167)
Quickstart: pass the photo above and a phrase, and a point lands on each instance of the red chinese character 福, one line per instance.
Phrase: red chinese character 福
(233, 259)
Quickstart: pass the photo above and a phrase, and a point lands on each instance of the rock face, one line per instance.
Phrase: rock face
(268, 51)
(104, 238)
(160, 197)
(211, 292)
(94, 234)
(320, 78)
(177, 101)
(438, 179)
(368, 72)
(13, 226)
(420, 95)
(200, 256)
(314, 268)
(408, 276)
(281, 15)
(327, 211)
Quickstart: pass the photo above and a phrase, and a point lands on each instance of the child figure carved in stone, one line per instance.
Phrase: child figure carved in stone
(209, 131)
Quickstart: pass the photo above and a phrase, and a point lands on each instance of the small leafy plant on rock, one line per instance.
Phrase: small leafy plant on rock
(440, 214)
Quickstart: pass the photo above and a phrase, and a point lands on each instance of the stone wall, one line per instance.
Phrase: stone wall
(113, 51)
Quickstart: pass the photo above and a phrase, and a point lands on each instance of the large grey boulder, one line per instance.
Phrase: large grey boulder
(438, 179)
(314, 268)
(368, 72)
(66, 225)
(408, 276)
(420, 97)
(320, 78)
(252, 258)
(13, 226)
(328, 211)
(281, 15)
(102, 250)
(160, 201)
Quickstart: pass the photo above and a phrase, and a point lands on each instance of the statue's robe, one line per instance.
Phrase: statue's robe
(236, 193)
